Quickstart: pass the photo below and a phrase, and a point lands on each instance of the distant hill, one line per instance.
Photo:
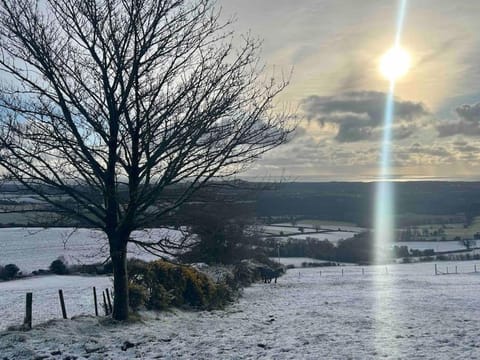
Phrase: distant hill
(353, 201)
(419, 202)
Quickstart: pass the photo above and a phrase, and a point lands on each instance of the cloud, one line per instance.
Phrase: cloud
(359, 114)
(469, 112)
(467, 122)
(440, 50)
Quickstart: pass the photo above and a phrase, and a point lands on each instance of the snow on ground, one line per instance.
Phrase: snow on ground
(406, 314)
(278, 230)
(334, 226)
(28, 199)
(354, 229)
(437, 246)
(333, 237)
(77, 291)
(35, 248)
(288, 231)
(297, 261)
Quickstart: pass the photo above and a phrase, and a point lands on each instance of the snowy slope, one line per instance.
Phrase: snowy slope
(406, 314)
(35, 248)
(78, 294)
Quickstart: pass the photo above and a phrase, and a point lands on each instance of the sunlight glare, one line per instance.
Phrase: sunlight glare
(395, 63)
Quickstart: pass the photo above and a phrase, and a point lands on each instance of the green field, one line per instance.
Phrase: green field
(447, 231)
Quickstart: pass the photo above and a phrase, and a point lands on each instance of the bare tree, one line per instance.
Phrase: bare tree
(105, 104)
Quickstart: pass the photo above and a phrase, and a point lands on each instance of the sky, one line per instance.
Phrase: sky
(337, 91)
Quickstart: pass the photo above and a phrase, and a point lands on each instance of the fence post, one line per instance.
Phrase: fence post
(342, 272)
(475, 267)
(27, 322)
(447, 269)
(363, 271)
(62, 303)
(105, 306)
(95, 300)
(436, 272)
(456, 270)
(109, 301)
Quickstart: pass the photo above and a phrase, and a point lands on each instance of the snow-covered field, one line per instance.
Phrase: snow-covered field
(35, 248)
(324, 225)
(278, 230)
(333, 237)
(437, 246)
(332, 233)
(296, 261)
(408, 313)
(77, 291)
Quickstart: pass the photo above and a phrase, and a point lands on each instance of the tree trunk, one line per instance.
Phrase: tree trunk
(120, 282)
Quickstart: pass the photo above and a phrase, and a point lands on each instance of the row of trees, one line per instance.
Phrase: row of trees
(106, 104)
(359, 249)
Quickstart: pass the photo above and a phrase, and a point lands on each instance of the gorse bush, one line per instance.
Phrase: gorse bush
(137, 296)
(159, 284)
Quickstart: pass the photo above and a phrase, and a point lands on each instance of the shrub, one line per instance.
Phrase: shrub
(160, 284)
(9, 272)
(245, 274)
(160, 298)
(59, 267)
(137, 295)
(223, 294)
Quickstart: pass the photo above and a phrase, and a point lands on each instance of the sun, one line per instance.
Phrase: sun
(395, 63)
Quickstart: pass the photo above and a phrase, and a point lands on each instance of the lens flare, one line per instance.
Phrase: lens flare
(394, 64)
(384, 199)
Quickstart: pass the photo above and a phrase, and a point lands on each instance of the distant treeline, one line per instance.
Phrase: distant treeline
(415, 202)
(360, 249)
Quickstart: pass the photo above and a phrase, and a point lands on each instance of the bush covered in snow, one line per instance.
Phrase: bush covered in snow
(160, 284)
(249, 271)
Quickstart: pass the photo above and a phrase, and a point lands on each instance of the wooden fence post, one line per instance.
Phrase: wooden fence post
(105, 306)
(95, 300)
(62, 304)
(363, 271)
(475, 267)
(456, 270)
(342, 272)
(436, 272)
(109, 301)
(27, 322)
